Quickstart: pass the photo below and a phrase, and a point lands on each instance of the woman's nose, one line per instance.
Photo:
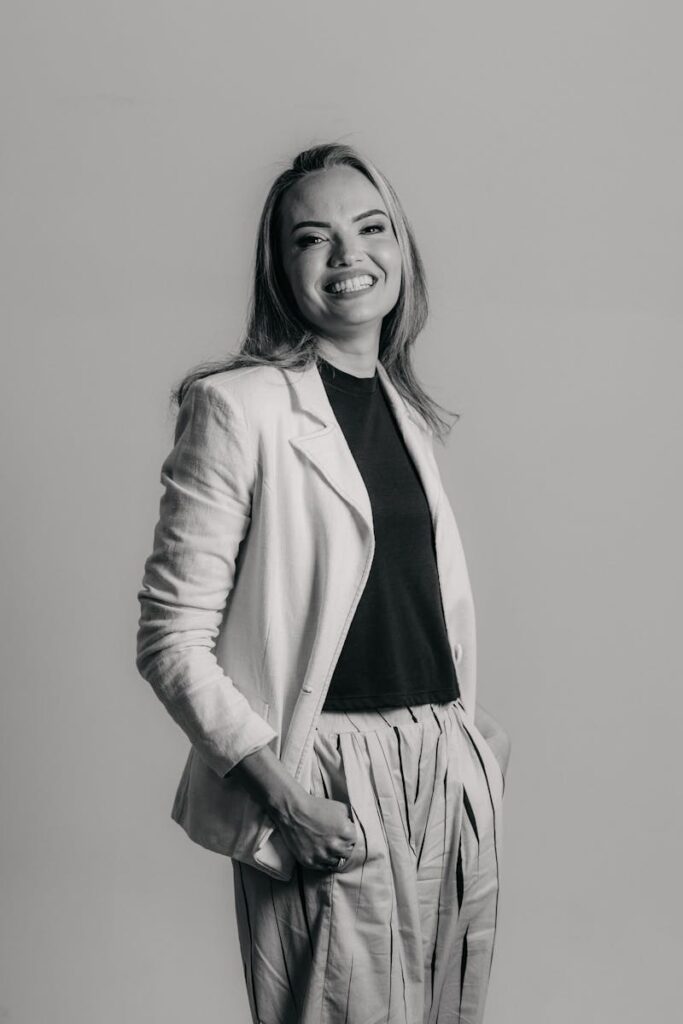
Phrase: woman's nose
(345, 252)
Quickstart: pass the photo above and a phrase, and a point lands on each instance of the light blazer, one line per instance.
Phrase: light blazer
(261, 552)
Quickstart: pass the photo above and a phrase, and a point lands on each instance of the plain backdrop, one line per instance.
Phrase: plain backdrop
(537, 149)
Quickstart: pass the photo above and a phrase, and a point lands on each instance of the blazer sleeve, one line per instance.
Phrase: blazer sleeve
(204, 514)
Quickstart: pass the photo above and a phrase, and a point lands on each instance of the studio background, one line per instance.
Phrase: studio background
(537, 150)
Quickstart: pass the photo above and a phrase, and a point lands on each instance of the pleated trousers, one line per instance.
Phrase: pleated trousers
(404, 932)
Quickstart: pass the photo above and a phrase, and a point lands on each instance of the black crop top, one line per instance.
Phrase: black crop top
(396, 651)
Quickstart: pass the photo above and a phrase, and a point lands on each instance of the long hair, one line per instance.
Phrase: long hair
(277, 334)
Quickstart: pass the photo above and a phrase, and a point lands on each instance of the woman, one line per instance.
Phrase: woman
(307, 619)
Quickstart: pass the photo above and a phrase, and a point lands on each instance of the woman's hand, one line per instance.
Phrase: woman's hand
(318, 831)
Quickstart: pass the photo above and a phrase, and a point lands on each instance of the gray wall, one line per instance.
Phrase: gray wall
(537, 150)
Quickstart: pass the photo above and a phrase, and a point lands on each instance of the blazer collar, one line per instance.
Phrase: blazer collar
(313, 398)
(325, 446)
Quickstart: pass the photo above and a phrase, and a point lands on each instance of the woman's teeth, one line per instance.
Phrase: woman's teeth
(354, 284)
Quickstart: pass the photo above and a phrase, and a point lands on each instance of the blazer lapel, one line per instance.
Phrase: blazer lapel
(417, 436)
(327, 449)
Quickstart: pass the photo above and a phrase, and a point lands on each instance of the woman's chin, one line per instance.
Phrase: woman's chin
(356, 315)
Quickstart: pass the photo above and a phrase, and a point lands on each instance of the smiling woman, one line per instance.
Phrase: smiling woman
(307, 619)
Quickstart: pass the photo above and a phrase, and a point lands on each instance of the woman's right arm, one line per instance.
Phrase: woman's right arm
(204, 514)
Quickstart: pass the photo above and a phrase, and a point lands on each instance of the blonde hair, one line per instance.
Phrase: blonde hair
(277, 335)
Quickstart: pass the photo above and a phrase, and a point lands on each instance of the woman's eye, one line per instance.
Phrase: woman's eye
(306, 240)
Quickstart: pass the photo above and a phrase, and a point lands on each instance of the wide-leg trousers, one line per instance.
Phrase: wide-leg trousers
(404, 932)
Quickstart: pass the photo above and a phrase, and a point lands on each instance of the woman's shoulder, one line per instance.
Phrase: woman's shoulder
(253, 387)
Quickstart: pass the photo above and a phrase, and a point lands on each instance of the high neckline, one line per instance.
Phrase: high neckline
(349, 382)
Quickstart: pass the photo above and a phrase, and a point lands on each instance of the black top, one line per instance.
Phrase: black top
(396, 651)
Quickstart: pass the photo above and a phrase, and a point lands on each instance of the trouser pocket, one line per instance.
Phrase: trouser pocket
(330, 780)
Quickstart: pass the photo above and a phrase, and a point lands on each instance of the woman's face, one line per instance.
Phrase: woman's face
(339, 252)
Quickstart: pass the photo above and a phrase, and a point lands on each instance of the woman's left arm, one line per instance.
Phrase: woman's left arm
(494, 734)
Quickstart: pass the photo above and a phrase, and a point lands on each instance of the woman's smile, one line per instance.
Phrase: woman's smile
(350, 287)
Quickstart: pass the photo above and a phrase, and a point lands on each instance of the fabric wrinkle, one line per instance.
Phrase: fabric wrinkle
(404, 932)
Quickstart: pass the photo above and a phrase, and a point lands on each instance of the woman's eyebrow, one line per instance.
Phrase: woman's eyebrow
(324, 224)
